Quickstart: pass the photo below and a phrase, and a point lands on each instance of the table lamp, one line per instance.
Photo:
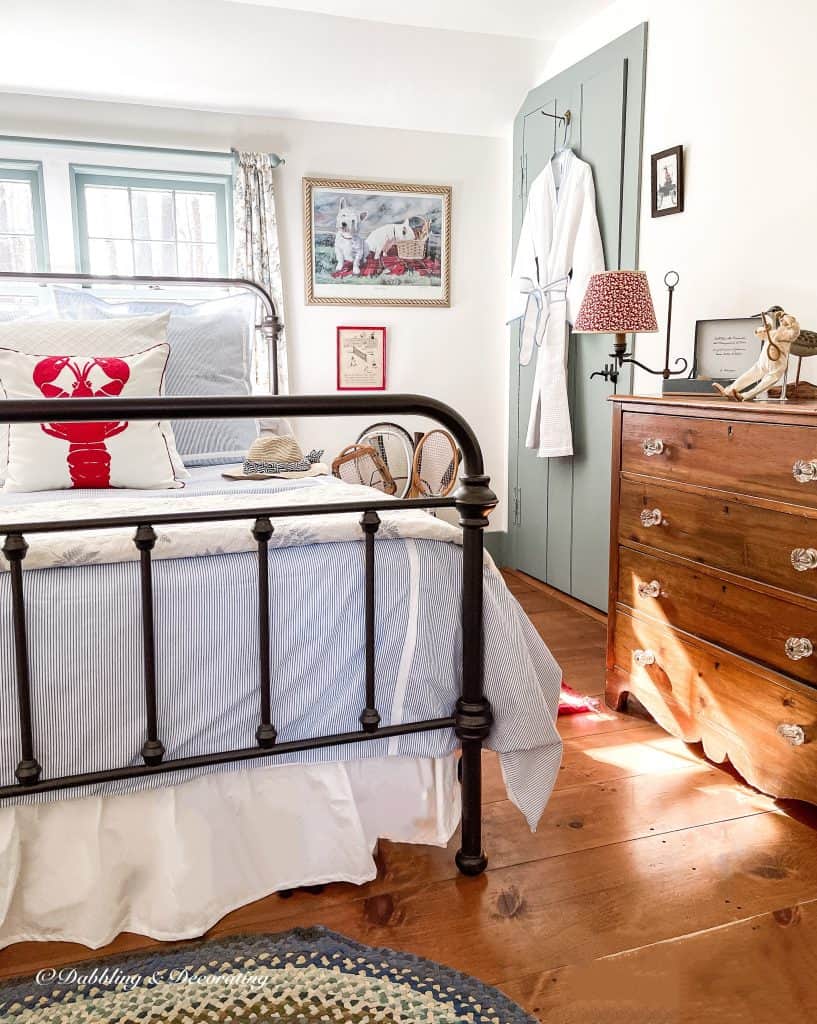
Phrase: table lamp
(619, 302)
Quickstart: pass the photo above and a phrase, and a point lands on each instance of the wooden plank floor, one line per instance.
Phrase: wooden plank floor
(658, 887)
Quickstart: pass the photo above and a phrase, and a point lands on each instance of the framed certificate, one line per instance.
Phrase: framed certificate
(724, 349)
(361, 358)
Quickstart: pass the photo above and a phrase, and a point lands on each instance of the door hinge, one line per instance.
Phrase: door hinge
(517, 506)
(523, 173)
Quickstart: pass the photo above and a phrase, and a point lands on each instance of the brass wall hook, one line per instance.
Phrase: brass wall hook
(567, 117)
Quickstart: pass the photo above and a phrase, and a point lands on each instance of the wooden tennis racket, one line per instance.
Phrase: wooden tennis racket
(360, 464)
(436, 461)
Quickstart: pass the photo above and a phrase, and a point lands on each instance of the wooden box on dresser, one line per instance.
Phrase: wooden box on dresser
(713, 579)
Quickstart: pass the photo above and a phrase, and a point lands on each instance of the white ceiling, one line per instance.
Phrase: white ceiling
(261, 57)
(527, 19)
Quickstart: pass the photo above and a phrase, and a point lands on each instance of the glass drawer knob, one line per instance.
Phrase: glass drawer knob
(798, 647)
(804, 559)
(793, 734)
(644, 657)
(652, 446)
(651, 517)
(804, 471)
(651, 589)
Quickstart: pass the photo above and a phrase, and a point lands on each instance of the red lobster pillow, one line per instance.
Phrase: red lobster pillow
(50, 456)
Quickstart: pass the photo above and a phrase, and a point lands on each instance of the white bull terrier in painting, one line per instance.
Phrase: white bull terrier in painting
(380, 239)
(349, 246)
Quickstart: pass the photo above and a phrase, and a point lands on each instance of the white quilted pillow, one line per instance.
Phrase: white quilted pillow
(51, 456)
(120, 337)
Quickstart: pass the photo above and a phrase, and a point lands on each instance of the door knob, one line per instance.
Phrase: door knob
(651, 517)
(651, 589)
(791, 733)
(804, 559)
(798, 647)
(804, 471)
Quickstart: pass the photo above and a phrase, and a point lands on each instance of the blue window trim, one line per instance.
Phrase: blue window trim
(218, 184)
(32, 172)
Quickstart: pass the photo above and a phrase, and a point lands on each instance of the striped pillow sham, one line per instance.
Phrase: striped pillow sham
(211, 354)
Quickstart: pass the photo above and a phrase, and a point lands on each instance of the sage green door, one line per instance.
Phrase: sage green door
(559, 529)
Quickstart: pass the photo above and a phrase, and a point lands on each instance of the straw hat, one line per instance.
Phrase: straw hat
(271, 455)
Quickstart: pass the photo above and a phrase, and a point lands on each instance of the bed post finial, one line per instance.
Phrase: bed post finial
(473, 717)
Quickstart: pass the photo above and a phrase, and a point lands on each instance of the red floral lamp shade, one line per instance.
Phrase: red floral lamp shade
(617, 302)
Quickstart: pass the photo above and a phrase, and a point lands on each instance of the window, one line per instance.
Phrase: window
(22, 224)
(173, 226)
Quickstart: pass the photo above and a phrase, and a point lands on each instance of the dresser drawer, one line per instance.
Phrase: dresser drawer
(723, 532)
(747, 456)
(741, 619)
(767, 728)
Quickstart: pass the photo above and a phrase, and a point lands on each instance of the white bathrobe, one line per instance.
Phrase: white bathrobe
(559, 249)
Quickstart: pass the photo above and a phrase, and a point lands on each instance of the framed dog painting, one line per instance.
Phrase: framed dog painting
(374, 244)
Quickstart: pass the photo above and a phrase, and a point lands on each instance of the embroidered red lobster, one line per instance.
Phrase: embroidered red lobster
(89, 461)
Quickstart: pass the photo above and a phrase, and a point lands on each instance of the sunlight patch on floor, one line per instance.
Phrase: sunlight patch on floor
(742, 795)
(651, 757)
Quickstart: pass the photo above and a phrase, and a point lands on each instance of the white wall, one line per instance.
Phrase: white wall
(735, 82)
(212, 55)
(456, 354)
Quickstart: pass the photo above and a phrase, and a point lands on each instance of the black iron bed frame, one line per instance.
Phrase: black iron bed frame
(471, 718)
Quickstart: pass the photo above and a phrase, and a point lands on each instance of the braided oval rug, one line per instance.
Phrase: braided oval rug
(305, 975)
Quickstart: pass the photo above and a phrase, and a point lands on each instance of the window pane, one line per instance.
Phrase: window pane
(169, 231)
(18, 253)
(157, 259)
(16, 208)
(107, 211)
(196, 217)
(110, 256)
(152, 213)
(198, 260)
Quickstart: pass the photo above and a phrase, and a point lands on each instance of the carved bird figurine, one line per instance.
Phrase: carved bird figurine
(806, 344)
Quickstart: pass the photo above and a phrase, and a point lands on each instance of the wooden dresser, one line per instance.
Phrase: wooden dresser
(713, 579)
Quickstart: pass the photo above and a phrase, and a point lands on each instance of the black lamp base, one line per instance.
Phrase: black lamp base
(620, 356)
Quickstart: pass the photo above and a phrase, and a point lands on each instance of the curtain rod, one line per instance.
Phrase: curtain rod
(275, 159)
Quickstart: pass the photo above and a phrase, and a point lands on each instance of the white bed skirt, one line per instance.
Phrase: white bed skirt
(169, 863)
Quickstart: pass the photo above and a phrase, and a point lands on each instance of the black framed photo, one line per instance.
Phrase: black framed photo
(667, 181)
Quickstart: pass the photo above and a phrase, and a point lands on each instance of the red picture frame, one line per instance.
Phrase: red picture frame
(361, 358)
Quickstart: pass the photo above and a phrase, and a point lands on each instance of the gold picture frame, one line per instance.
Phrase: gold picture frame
(401, 258)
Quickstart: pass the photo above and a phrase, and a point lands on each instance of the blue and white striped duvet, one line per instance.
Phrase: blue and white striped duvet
(88, 683)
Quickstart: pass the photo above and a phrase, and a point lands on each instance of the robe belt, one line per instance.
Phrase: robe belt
(536, 317)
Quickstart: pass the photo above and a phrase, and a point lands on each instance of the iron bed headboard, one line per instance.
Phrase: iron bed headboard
(270, 325)
(471, 718)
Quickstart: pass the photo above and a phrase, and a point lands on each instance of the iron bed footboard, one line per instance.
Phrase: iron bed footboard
(471, 718)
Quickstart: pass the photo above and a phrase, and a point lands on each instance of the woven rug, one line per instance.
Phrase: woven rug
(305, 975)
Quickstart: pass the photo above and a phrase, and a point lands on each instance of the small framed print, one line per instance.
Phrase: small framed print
(667, 181)
(725, 348)
(361, 358)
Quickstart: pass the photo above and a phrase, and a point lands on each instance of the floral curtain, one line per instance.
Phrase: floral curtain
(257, 256)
